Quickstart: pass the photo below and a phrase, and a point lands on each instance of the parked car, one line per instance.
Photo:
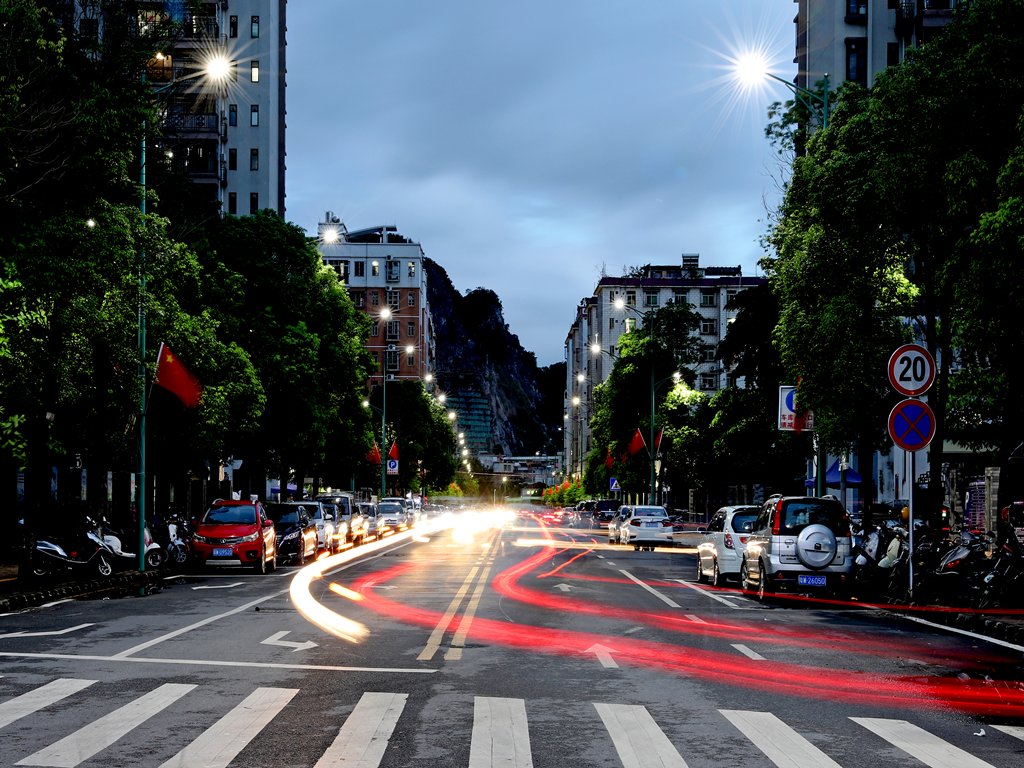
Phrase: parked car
(720, 551)
(393, 513)
(644, 526)
(798, 543)
(613, 524)
(235, 533)
(371, 517)
(323, 522)
(296, 531)
(348, 525)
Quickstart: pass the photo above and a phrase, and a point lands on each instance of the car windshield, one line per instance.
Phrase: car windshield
(313, 510)
(241, 514)
(283, 513)
(743, 517)
(649, 512)
(391, 509)
(797, 515)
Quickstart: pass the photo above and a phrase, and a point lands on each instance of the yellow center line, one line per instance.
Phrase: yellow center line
(459, 640)
(434, 642)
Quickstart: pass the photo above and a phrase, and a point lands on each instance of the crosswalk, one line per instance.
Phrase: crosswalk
(500, 736)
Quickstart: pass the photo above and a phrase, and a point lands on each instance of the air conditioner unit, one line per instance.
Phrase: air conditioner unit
(391, 347)
(390, 377)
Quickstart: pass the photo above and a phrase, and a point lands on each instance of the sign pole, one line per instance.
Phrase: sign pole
(913, 476)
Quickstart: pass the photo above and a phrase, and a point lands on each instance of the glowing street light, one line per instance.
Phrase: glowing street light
(751, 70)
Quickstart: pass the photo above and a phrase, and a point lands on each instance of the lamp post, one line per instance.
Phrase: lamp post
(752, 69)
(216, 69)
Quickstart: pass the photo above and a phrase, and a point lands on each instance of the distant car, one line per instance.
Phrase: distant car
(644, 526)
(370, 515)
(613, 524)
(295, 529)
(348, 524)
(235, 533)
(394, 514)
(324, 524)
(720, 551)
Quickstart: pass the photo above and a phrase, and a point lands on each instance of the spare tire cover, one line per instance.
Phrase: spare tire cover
(816, 546)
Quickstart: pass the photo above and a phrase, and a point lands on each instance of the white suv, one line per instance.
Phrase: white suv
(643, 527)
(798, 543)
(721, 548)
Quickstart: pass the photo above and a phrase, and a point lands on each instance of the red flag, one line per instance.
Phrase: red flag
(657, 440)
(636, 443)
(609, 460)
(393, 453)
(172, 375)
(374, 456)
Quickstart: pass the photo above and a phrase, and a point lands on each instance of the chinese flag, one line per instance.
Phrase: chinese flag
(374, 456)
(393, 453)
(657, 440)
(172, 375)
(636, 443)
(609, 460)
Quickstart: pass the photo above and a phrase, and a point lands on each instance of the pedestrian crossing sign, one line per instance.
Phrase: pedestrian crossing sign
(615, 485)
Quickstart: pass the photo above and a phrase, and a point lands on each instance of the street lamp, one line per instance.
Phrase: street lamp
(752, 69)
(216, 69)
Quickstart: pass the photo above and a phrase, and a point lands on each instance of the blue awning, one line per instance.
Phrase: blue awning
(277, 489)
(832, 477)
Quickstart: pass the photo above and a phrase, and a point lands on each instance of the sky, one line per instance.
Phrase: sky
(528, 146)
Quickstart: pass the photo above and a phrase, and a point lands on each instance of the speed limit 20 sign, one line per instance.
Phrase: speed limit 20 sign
(911, 370)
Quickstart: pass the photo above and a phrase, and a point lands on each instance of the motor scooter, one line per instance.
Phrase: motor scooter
(174, 537)
(155, 554)
(959, 577)
(86, 551)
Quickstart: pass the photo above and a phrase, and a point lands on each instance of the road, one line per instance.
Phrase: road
(504, 646)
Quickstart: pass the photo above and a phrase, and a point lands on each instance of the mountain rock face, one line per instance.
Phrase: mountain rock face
(488, 379)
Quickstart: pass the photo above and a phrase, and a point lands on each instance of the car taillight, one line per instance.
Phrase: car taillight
(666, 522)
(743, 539)
(728, 541)
(952, 563)
(777, 520)
(636, 522)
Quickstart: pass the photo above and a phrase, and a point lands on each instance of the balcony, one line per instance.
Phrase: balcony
(200, 28)
(922, 19)
(197, 122)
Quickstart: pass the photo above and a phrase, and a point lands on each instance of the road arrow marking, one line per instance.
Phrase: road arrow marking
(44, 634)
(221, 586)
(275, 639)
(603, 656)
(563, 587)
(384, 586)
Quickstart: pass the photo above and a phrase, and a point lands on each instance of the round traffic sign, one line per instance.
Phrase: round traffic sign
(912, 425)
(911, 370)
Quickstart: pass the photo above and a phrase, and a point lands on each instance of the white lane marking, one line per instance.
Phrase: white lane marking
(695, 618)
(747, 652)
(966, 633)
(46, 634)
(434, 641)
(601, 557)
(667, 600)
(707, 592)
(603, 655)
(220, 586)
(1014, 730)
(632, 630)
(637, 738)
(40, 697)
(610, 563)
(219, 744)
(782, 745)
(454, 653)
(363, 738)
(210, 663)
(917, 742)
(563, 587)
(275, 639)
(501, 737)
(57, 602)
(97, 736)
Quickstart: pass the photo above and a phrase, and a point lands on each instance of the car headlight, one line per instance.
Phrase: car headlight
(289, 536)
(250, 537)
(200, 539)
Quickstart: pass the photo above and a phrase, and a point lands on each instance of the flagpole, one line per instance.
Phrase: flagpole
(383, 434)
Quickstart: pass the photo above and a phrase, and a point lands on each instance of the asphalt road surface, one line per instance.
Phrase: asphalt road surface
(484, 645)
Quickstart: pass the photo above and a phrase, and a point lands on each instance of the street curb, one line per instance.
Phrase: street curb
(1003, 630)
(74, 589)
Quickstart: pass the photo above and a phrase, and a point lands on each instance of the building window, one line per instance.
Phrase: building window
(232, 114)
(254, 202)
(631, 298)
(255, 26)
(254, 71)
(392, 271)
(651, 299)
(391, 329)
(232, 159)
(708, 299)
(391, 358)
(232, 26)
(375, 269)
(611, 350)
(254, 159)
(856, 7)
(412, 298)
(611, 323)
(233, 203)
(708, 354)
(412, 269)
(360, 269)
(410, 360)
(374, 299)
(730, 296)
(234, 71)
(394, 299)
(892, 54)
(342, 267)
(375, 329)
(857, 60)
(708, 327)
(630, 324)
(708, 381)
(679, 297)
(254, 115)
(89, 29)
(732, 380)
(411, 328)
(358, 297)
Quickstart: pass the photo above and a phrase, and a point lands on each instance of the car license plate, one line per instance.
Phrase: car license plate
(222, 552)
(811, 581)
(652, 525)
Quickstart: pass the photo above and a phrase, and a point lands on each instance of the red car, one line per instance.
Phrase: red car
(235, 533)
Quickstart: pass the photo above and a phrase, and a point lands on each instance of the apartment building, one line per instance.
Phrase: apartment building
(592, 344)
(228, 135)
(856, 39)
(386, 280)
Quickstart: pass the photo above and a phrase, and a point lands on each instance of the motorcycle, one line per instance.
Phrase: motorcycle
(959, 577)
(86, 551)
(880, 561)
(174, 537)
(155, 554)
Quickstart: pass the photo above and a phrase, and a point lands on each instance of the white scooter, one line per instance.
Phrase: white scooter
(155, 554)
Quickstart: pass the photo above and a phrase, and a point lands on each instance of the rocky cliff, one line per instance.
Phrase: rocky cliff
(488, 378)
